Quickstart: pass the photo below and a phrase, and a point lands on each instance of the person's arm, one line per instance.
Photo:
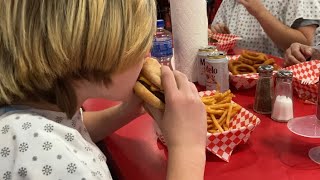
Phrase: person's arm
(186, 164)
(103, 123)
(282, 35)
(183, 126)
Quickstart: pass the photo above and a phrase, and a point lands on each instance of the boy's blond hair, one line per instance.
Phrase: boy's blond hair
(46, 43)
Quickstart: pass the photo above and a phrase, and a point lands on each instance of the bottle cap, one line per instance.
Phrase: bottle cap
(284, 74)
(160, 23)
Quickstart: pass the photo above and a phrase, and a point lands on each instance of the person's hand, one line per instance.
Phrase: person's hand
(253, 6)
(183, 122)
(297, 53)
(220, 28)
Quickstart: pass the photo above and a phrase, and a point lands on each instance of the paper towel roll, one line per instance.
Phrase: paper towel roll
(190, 32)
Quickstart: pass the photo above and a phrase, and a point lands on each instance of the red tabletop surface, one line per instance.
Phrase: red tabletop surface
(272, 152)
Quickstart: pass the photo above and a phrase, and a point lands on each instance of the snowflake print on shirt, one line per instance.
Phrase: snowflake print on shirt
(84, 163)
(58, 119)
(26, 125)
(7, 175)
(5, 129)
(87, 148)
(22, 172)
(99, 173)
(47, 146)
(101, 157)
(23, 147)
(71, 168)
(46, 170)
(74, 122)
(69, 137)
(48, 128)
(5, 152)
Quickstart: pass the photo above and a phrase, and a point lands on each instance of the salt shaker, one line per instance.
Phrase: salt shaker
(282, 102)
(264, 90)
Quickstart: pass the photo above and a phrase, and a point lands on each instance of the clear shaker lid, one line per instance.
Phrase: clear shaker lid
(284, 74)
(265, 69)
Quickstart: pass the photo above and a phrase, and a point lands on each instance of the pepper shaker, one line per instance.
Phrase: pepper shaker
(264, 90)
(282, 102)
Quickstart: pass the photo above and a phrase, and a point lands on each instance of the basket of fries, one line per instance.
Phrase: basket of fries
(223, 42)
(243, 68)
(306, 79)
(229, 124)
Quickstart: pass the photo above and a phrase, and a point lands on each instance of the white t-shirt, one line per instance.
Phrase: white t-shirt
(242, 23)
(41, 144)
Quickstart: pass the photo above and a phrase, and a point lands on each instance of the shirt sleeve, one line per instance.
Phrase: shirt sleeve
(305, 10)
(305, 22)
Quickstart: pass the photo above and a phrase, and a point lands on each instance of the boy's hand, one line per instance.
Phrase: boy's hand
(183, 122)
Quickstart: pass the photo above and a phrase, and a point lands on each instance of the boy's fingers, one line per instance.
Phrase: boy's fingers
(168, 80)
(182, 81)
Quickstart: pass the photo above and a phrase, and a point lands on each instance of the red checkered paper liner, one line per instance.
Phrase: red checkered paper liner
(225, 41)
(302, 71)
(223, 144)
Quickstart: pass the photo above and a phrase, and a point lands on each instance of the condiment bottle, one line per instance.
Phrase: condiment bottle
(264, 90)
(283, 104)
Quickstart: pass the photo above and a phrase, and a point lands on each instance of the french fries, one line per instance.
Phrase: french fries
(220, 111)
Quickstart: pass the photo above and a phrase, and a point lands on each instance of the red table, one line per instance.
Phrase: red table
(272, 152)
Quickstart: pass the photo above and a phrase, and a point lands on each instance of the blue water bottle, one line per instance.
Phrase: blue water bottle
(162, 44)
